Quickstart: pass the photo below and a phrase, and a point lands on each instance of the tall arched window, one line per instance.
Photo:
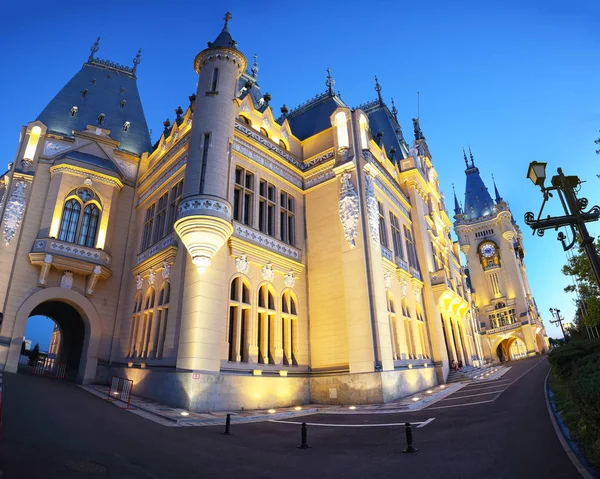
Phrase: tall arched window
(159, 329)
(266, 324)
(135, 320)
(408, 330)
(289, 327)
(239, 319)
(144, 329)
(422, 332)
(393, 326)
(78, 228)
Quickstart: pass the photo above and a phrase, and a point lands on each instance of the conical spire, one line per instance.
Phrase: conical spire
(478, 202)
(224, 39)
(498, 197)
(378, 90)
(457, 208)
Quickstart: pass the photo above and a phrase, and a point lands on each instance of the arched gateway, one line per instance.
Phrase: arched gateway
(79, 324)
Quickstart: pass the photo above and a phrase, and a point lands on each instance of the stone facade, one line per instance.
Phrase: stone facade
(243, 261)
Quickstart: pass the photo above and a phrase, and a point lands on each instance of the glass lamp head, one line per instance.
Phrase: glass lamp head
(537, 173)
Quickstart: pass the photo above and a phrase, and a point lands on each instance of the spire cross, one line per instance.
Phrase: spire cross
(254, 68)
(227, 17)
(378, 90)
(94, 48)
(330, 82)
(136, 61)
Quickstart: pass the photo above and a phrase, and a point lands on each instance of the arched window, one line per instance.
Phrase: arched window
(78, 228)
(289, 328)
(422, 332)
(143, 337)
(264, 132)
(159, 330)
(408, 330)
(283, 145)
(238, 328)
(245, 119)
(393, 326)
(135, 320)
(266, 324)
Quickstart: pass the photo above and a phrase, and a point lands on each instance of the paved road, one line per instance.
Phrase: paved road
(49, 423)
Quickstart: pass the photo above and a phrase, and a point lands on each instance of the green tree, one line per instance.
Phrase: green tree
(34, 354)
(588, 302)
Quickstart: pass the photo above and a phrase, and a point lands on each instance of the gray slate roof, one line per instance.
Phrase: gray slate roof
(105, 95)
(380, 119)
(88, 159)
(478, 202)
(310, 119)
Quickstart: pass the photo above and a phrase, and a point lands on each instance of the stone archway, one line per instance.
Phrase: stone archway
(69, 302)
(511, 349)
(540, 343)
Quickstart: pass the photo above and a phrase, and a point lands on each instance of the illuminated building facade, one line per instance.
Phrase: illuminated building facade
(244, 260)
(508, 320)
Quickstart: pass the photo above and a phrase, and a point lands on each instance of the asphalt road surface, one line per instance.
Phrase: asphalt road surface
(495, 429)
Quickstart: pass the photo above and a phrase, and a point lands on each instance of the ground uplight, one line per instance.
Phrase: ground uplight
(352, 408)
(298, 408)
(416, 399)
(429, 391)
(184, 413)
(271, 411)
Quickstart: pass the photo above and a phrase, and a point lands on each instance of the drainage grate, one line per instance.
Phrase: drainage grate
(86, 466)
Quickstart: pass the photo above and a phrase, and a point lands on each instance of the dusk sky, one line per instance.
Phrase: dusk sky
(516, 80)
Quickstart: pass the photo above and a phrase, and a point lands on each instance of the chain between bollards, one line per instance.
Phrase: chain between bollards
(409, 439)
(304, 444)
(228, 426)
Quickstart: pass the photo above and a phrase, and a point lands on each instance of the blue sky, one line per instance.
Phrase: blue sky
(516, 80)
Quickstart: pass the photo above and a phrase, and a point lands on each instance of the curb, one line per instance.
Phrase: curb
(562, 433)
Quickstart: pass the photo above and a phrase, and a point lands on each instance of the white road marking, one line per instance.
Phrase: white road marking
(418, 424)
(460, 405)
(471, 395)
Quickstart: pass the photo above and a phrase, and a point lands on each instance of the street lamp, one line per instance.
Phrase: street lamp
(575, 216)
(559, 319)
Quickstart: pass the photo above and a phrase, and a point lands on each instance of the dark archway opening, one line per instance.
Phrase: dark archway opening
(72, 334)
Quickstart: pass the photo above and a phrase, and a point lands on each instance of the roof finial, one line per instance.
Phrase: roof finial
(94, 48)
(465, 157)
(136, 61)
(227, 17)
(457, 208)
(498, 197)
(330, 82)
(254, 68)
(378, 90)
(471, 156)
(394, 111)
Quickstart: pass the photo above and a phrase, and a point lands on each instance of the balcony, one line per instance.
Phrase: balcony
(402, 264)
(157, 247)
(387, 254)
(507, 327)
(415, 273)
(438, 277)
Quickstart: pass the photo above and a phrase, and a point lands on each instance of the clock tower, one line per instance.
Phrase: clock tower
(509, 323)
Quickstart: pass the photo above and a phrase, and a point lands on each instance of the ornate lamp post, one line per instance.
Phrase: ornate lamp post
(575, 217)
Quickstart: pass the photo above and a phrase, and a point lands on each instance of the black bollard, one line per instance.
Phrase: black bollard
(304, 444)
(409, 439)
(227, 426)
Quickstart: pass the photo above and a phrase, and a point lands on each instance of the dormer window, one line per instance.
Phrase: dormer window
(282, 144)
(108, 75)
(122, 89)
(74, 111)
(84, 93)
(126, 126)
(101, 117)
(123, 103)
(264, 132)
(93, 81)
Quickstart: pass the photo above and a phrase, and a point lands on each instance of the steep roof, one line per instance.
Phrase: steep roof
(86, 158)
(478, 202)
(101, 87)
(313, 116)
(382, 120)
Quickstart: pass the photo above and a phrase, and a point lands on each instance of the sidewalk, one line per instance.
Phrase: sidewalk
(178, 417)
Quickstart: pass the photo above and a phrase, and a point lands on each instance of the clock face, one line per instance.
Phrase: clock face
(488, 250)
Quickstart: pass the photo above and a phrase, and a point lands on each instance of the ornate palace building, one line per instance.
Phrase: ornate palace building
(506, 313)
(244, 260)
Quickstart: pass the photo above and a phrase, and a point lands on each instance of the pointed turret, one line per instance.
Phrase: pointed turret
(457, 208)
(478, 202)
(498, 197)
(103, 94)
(224, 39)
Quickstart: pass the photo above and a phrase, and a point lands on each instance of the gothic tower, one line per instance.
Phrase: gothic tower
(492, 242)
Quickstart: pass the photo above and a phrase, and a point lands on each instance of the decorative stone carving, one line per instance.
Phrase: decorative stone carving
(13, 215)
(88, 181)
(430, 175)
(151, 277)
(372, 209)
(348, 208)
(205, 204)
(267, 272)
(285, 134)
(289, 279)
(93, 280)
(51, 148)
(67, 280)
(387, 279)
(139, 282)
(26, 163)
(266, 122)
(404, 287)
(45, 269)
(166, 270)
(48, 259)
(242, 265)
(245, 108)
(418, 295)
